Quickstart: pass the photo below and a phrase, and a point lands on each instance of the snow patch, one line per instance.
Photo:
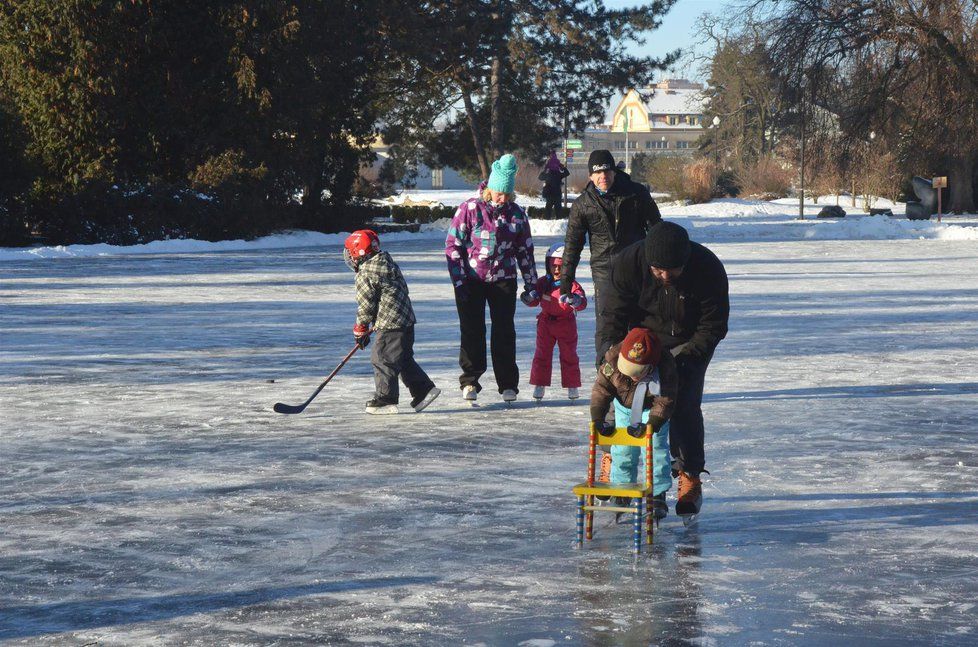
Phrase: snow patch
(724, 220)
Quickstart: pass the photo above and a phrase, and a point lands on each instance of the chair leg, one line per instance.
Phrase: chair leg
(638, 524)
(580, 520)
(648, 520)
(589, 519)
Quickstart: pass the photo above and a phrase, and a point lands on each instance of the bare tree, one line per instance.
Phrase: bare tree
(906, 69)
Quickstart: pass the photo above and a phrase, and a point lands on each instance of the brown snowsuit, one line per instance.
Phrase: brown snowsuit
(611, 384)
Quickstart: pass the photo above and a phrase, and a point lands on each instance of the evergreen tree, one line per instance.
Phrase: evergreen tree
(513, 72)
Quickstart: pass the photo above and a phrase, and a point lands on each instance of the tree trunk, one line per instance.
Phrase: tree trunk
(480, 152)
(961, 174)
(312, 198)
(496, 108)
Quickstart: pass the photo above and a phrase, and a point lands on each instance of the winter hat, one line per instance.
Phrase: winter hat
(640, 350)
(503, 175)
(600, 160)
(667, 246)
(553, 164)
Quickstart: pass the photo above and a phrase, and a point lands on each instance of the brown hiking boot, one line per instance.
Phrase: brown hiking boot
(690, 496)
(604, 476)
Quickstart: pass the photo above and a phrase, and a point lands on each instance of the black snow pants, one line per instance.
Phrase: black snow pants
(501, 297)
(393, 357)
(600, 277)
(686, 424)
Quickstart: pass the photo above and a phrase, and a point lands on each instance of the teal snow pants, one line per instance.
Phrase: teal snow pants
(625, 459)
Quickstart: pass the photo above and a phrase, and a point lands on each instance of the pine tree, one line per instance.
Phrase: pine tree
(511, 73)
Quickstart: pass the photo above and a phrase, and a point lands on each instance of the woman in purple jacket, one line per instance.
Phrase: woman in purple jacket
(488, 245)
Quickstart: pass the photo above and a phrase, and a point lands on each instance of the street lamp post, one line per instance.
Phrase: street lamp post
(872, 137)
(716, 142)
(801, 160)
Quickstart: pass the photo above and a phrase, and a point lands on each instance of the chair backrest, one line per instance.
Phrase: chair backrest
(622, 437)
(619, 437)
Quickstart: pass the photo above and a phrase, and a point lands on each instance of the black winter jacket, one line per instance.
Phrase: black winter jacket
(611, 222)
(693, 312)
(552, 181)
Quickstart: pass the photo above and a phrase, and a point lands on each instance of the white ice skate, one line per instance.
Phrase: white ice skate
(377, 408)
(538, 392)
(424, 401)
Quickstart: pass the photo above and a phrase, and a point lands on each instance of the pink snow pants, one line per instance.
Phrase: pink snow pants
(561, 331)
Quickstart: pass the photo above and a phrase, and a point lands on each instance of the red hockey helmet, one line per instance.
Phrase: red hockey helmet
(359, 246)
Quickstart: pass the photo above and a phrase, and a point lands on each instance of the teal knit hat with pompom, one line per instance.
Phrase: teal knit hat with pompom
(503, 175)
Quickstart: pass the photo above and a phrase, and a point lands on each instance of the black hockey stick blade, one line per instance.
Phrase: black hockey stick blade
(281, 407)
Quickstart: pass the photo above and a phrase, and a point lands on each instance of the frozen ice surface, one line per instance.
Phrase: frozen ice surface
(149, 496)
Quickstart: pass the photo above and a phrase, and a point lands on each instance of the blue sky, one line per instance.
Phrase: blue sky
(677, 26)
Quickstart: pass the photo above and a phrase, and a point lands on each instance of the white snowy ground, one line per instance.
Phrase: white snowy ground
(149, 496)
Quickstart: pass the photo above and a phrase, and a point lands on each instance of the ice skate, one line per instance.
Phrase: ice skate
(622, 502)
(538, 392)
(470, 394)
(419, 404)
(660, 509)
(380, 408)
(509, 396)
(572, 393)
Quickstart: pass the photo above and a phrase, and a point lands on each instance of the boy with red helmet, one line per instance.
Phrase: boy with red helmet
(384, 308)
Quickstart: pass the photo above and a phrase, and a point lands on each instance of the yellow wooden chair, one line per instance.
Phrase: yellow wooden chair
(641, 493)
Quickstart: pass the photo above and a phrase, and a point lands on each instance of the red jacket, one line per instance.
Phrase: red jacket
(549, 300)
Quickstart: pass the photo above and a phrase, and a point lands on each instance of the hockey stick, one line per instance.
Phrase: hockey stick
(288, 408)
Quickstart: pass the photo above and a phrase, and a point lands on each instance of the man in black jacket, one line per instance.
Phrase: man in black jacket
(613, 212)
(678, 289)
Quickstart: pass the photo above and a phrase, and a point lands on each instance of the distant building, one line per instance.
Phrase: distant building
(427, 177)
(665, 119)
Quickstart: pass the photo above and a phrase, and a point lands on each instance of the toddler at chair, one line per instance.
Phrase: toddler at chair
(556, 324)
(625, 380)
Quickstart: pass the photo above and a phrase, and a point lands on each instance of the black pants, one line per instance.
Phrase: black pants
(686, 424)
(600, 276)
(393, 356)
(552, 207)
(501, 297)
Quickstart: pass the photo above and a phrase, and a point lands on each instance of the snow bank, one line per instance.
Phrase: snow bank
(849, 228)
(726, 220)
(284, 240)
(457, 197)
(537, 227)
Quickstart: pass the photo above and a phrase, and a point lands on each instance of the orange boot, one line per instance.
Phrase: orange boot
(690, 496)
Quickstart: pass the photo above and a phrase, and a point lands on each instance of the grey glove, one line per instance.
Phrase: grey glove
(681, 349)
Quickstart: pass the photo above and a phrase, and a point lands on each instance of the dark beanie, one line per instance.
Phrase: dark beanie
(667, 246)
(600, 160)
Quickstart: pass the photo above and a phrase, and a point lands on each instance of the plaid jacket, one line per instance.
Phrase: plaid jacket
(382, 294)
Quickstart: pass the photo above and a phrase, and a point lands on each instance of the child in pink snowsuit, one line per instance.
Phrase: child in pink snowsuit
(556, 324)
